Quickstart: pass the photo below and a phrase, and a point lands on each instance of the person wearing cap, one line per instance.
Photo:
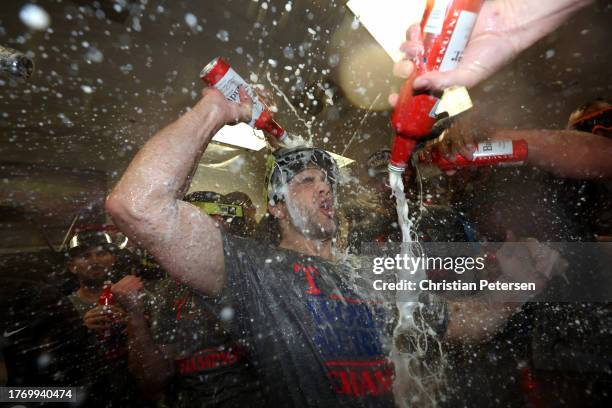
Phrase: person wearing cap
(235, 210)
(314, 339)
(92, 256)
(208, 202)
(188, 356)
(243, 220)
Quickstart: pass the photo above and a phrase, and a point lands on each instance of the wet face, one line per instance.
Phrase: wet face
(309, 205)
(93, 266)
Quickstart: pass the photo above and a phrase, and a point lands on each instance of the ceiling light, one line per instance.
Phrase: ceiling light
(388, 21)
(241, 135)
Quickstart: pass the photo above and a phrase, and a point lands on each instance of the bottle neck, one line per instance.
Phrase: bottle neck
(400, 153)
(266, 123)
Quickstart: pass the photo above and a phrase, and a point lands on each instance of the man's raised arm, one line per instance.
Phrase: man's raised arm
(146, 202)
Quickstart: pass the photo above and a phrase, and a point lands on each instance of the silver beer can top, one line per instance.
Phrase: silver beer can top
(209, 67)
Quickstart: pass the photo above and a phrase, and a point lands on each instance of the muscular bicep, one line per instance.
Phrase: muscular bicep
(187, 244)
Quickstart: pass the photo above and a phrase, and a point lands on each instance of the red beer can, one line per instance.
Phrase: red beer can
(106, 300)
(219, 74)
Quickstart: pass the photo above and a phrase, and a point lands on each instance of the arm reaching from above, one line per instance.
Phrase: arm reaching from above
(504, 29)
(146, 202)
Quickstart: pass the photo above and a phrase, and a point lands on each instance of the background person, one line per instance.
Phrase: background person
(560, 195)
(244, 225)
(92, 256)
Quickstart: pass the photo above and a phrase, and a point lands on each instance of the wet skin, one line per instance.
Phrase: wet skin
(310, 197)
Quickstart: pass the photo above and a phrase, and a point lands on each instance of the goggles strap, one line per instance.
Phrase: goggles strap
(224, 210)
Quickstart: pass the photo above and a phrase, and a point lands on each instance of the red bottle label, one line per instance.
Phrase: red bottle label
(510, 152)
(106, 297)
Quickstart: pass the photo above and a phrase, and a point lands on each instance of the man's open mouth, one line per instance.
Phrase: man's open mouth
(327, 208)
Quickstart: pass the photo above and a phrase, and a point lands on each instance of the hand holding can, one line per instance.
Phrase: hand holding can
(220, 75)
